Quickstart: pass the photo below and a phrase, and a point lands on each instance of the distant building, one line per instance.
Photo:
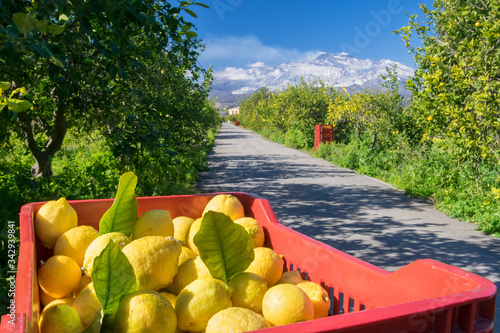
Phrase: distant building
(235, 110)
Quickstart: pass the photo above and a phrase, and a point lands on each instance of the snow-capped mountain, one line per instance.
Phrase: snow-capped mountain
(337, 70)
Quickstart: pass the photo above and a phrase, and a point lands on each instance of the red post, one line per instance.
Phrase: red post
(322, 134)
(317, 136)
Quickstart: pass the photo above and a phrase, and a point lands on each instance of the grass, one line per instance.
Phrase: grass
(461, 190)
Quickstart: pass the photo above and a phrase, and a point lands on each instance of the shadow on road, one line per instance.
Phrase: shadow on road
(338, 215)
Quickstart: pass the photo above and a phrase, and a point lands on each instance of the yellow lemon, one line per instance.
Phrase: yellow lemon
(292, 277)
(318, 296)
(59, 276)
(254, 229)
(83, 283)
(145, 311)
(60, 318)
(46, 299)
(192, 269)
(286, 304)
(65, 300)
(170, 297)
(249, 290)
(186, 253)
(74, 242)
(235, 320)
(53, 219)
(155, 222)
(181, 228)
(87, 304)
(199, 301)
(154, 259)
(267, 264)
(193, 229)
(227, 204)
(95, 248)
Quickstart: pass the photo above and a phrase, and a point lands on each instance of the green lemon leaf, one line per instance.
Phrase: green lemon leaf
(18, 105)
(56, 29)
(201, 4)
(42, 49)
(42, 26)
(22, 91)
(56, 61)
(113, 276)
(190, 12)
(120, 217)
(191, 34)
(24, 22)
(225, 247)
(5, 85)
(63, 17)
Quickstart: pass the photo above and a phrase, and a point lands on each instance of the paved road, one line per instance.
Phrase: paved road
(353, 213)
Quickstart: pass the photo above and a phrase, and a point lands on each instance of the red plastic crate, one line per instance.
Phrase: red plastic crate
(424, 296)
(322, 134)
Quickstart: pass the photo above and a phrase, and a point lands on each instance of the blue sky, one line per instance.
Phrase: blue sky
(238, 33)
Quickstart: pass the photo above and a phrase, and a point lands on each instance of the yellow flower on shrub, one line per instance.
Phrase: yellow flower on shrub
(496, 193)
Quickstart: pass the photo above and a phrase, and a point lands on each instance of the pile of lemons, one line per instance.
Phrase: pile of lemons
(175, 290)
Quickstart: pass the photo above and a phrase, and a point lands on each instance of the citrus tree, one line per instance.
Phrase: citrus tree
(455, 86)
(371, 114)
(125, 69)
(305, 104)
(253, 109)
(291, 112)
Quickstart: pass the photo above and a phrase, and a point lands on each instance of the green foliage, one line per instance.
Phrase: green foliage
(288, 116)
(272, 135)
(455, 87)
(377, 117)
(123, 80)
(296, 139)
(251, 108)
(93, 89)
(85, 168)
(232, 118)
(119, 68)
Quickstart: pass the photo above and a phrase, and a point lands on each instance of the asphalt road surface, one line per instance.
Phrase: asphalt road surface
(361, 216)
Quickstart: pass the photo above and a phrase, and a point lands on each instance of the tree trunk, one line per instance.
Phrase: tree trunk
(358, 131)
(374, 140)
(43, 157)
(42, 166)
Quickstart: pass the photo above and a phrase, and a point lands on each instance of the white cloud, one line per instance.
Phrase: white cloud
(233, 73)
(236, 51)
(258, 64)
